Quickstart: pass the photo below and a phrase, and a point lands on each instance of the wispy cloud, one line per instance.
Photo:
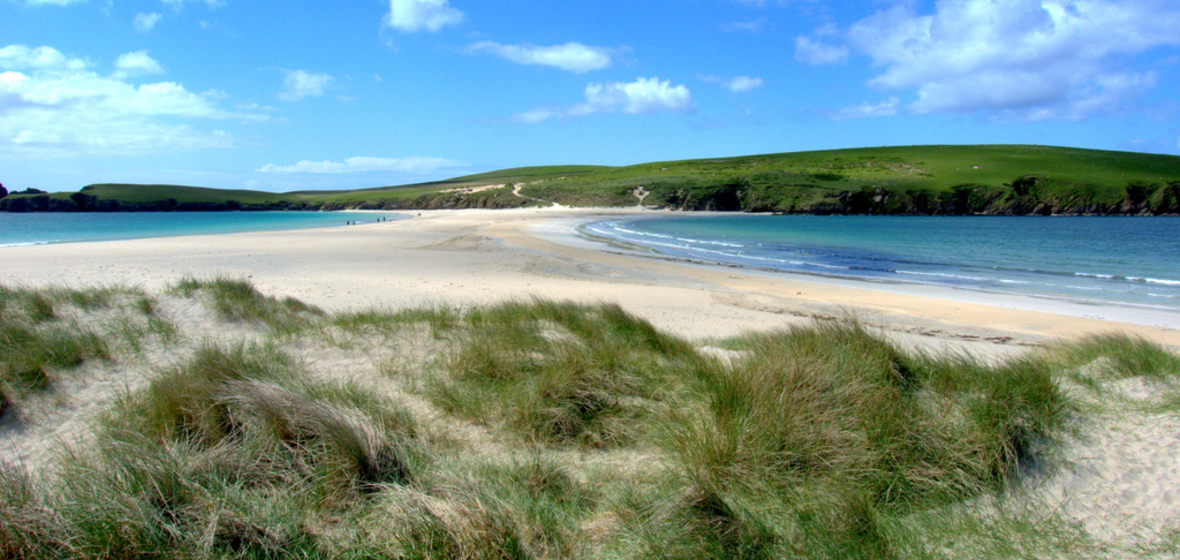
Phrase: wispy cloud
(571, 57)
(751, 26)
(299, 84)
(410, 16)
(736, 84)
(816, 52)
(146, 22)
(886, 108)
(178, 5)
(52, 2)
(410, 165)
(643, 96)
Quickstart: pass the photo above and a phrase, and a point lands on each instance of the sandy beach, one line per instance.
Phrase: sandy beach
(471, 257)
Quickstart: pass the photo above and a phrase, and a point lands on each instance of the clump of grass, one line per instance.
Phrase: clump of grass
(549, 505)
(806, 445)
(47, 330)
(259, 394)
(226, 455)
(27, 306)
(459, 521)
(1126, 356)
(92, 297)
(1098, 363)
(525, 509)
(440, 319)
(29, 354)
(562, 373)
(28, 530)
(239, 300)
(40, 308)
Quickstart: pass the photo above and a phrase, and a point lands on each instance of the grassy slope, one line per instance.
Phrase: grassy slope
(182, 194)
(903, 179)
(773, 182)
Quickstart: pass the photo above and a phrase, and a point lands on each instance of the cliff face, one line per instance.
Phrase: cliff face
(1025, 196)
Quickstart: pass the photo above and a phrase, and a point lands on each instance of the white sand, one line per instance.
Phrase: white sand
(470, 257)
(1125, 474)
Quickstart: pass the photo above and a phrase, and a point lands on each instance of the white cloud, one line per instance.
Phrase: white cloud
(146, 22)
(736, 84)
(412, 165)
(740, 84)
(571, 57)
(138, 63)
(643, 96)
(178, 5)
(300, 83)
(54, 105)
(415, 15)
(886, 108)
(817, 53)
(21, 57)
(1032, 59)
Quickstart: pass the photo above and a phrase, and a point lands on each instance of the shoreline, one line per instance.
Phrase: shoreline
(472, 257)
(1160, 317)
(218, 229)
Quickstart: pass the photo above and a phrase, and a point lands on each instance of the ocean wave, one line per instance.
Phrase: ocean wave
(794, 263)
(707, 242)
(1136, 279)
(618, 230)
(947, 275)
(1156, 281)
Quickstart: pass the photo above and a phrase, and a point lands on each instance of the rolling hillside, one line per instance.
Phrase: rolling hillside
(991, 179)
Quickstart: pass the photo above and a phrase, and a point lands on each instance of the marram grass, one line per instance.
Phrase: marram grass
(807, 446)
(564, 374)
(545, 429)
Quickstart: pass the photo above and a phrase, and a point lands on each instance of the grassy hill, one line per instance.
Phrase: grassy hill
(915, 179)
(992, 179)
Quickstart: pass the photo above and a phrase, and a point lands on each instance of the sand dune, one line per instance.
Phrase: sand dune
(1122, 472)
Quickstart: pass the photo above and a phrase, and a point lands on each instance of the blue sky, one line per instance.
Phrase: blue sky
(323, 95)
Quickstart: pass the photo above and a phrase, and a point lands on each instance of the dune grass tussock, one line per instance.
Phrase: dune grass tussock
(439, 320)
(1124, 355)
(1101, 364)
(531, 509)
(239, 300)
(40, 337)
(226, 455)
(808, 445)
(561, 373)
(257, 394)
(612, 440)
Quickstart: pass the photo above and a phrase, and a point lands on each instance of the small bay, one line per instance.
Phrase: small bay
(52, 227)
(1121, 260)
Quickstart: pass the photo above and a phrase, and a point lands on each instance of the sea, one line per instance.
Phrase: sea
(1129, 261)
(37, 228)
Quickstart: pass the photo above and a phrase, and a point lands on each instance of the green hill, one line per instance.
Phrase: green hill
(991, 179)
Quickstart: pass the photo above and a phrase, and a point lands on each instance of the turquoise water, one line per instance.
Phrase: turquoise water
(53, 227)
(1124, 260)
